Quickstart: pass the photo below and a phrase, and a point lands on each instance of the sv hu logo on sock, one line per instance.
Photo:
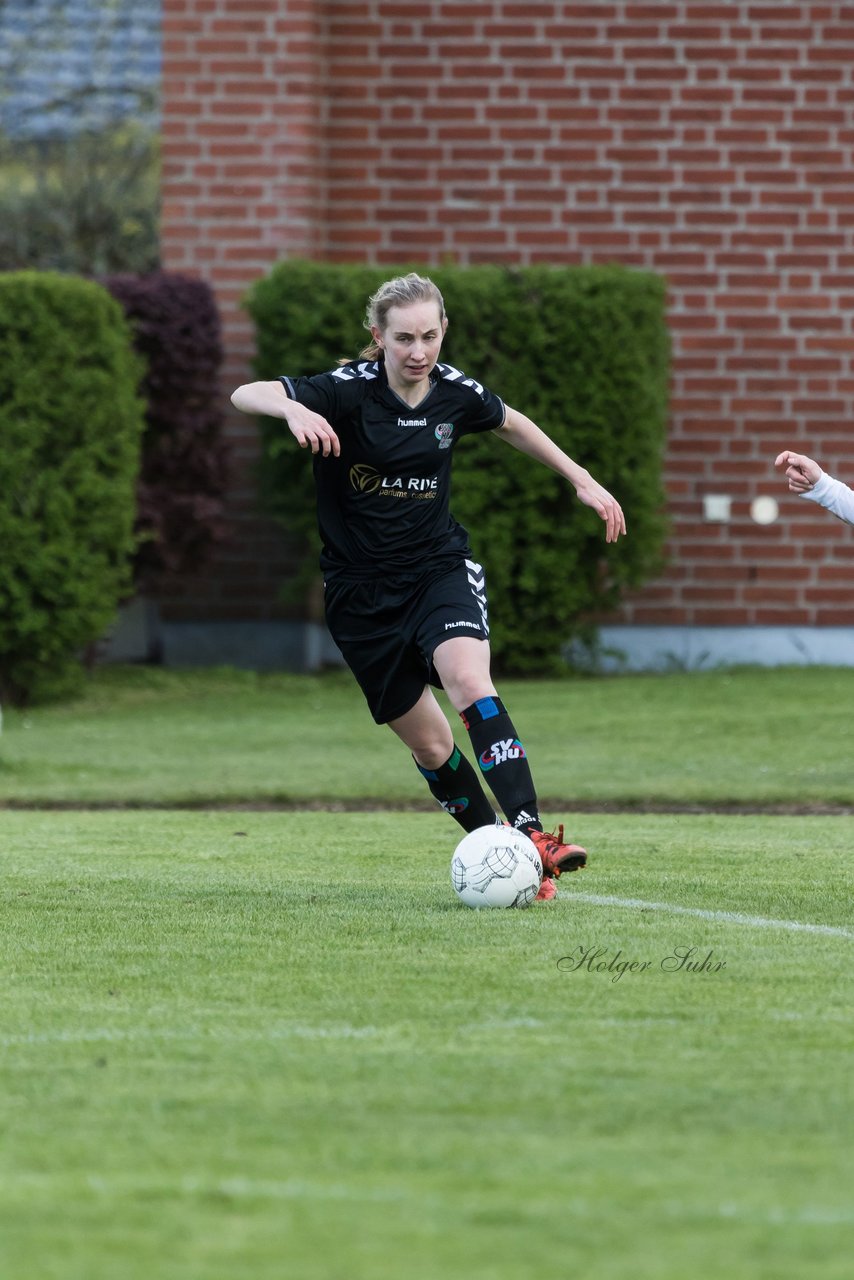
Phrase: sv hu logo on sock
(500, 752)
(455, 806)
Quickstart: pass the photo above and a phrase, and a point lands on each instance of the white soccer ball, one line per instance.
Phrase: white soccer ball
(496, 867)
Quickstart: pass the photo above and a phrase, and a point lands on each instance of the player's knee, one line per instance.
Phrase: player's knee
(432, 744)
(434, 752)
(467, 688)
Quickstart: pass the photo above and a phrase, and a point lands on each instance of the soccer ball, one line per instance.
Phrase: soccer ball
(496, 867)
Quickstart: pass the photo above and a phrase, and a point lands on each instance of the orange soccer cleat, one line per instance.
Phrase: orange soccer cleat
(548, 890)
(556, 856)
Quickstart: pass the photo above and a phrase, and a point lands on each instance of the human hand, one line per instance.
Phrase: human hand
(801, 472)
(310, 430)
(591, 493)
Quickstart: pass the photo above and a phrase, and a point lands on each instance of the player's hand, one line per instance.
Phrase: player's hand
(801, 472)
(591, 493)
(311, 431)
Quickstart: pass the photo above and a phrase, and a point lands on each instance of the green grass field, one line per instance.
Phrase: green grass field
(260, 1044)
(142, 735)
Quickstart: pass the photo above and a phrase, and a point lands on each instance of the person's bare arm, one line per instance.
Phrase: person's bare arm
(800, 471)
(309, 429)
(807, 479)
(528, 438)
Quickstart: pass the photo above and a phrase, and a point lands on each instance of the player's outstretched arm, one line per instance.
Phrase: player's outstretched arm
(800, 471)
(807, 479)
(308, 428)
(528, 438)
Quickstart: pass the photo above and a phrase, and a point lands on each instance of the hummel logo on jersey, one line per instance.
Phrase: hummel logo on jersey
(500, 752)
(412, 422)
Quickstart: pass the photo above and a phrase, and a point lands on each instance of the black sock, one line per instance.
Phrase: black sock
(502, 758)
(457, 788)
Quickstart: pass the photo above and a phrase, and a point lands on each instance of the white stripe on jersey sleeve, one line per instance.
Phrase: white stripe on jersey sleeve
(450, 374)
(367, 369)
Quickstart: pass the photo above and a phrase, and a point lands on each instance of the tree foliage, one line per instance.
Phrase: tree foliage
(184, 469)
(87, 203)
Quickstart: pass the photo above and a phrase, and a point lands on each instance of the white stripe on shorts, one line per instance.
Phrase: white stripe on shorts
(477, 582)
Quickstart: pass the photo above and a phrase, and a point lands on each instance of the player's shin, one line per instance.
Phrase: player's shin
(503, 761)
(457, 788)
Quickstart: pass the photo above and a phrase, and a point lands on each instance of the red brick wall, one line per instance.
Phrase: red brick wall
(709, 142)
(243, 186)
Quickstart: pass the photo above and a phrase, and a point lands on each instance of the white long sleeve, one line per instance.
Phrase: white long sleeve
(834, 495)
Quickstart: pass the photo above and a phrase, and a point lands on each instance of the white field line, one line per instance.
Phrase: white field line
(222, 1035)
(722, 917)
(240, 1187)
(190, 1184)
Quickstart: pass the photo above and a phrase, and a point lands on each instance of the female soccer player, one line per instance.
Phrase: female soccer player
(807, 479)
(405, 599)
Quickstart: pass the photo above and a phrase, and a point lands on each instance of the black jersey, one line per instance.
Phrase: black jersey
(383, 505)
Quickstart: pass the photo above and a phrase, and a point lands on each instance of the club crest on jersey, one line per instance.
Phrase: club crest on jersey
(500, 752)
(444, 433)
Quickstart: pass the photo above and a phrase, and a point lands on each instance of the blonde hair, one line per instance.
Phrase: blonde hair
(402, 291)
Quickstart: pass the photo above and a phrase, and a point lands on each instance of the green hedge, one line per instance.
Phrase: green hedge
(70, 429)
(584, 351)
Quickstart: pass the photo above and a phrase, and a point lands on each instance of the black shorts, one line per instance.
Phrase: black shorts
(387, 629)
